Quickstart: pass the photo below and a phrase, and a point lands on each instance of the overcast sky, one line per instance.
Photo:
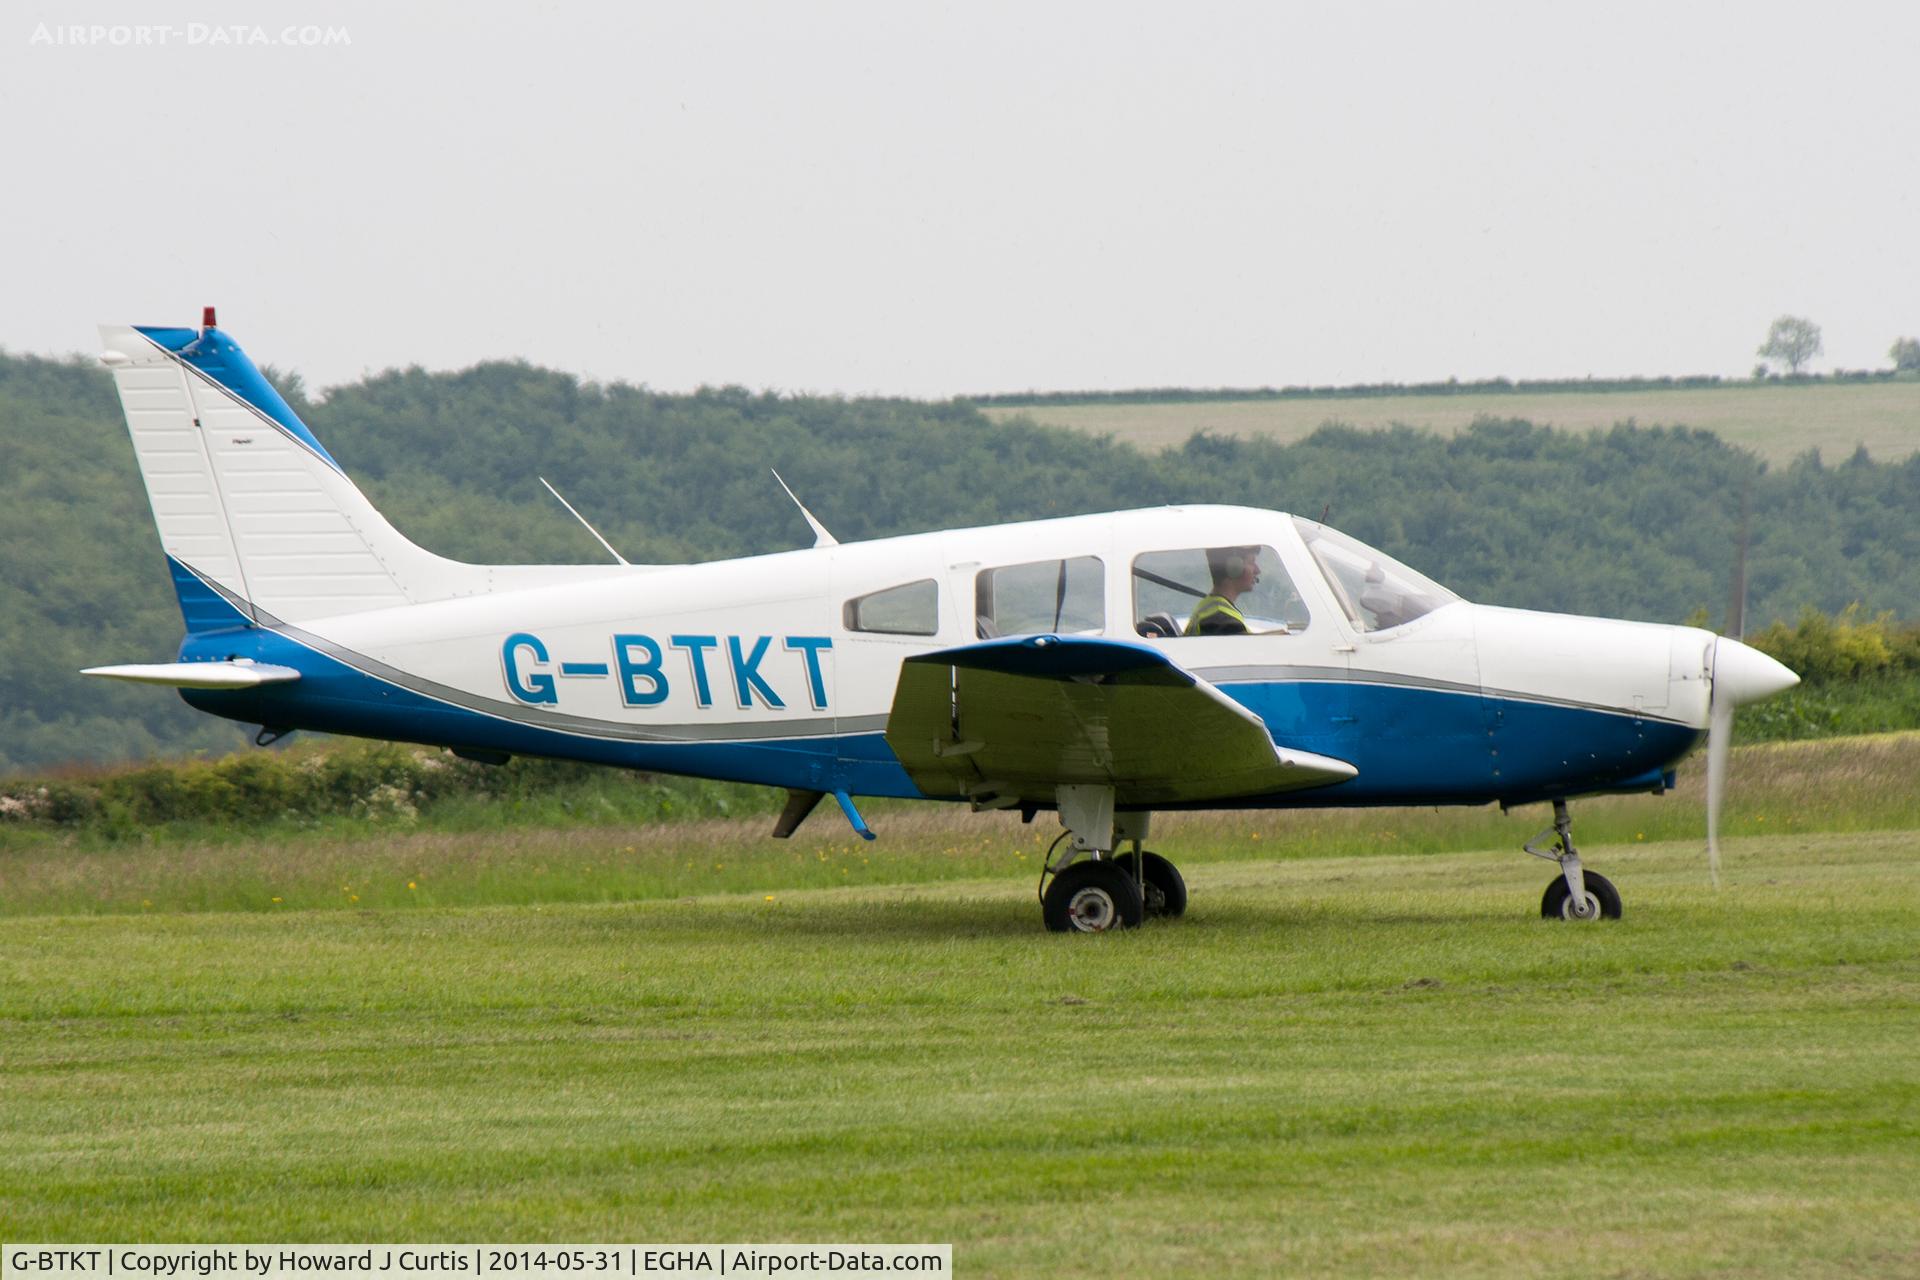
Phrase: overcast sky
(929, 200)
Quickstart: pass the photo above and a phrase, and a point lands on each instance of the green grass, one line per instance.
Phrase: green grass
(450, 860)
(1334, 1066)
(1778, 421)
(1346, 1060)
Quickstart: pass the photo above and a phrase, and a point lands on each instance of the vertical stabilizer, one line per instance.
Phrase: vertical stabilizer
(259, 522)
(247, 501)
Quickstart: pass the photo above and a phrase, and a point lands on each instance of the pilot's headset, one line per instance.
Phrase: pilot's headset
(1227, 564)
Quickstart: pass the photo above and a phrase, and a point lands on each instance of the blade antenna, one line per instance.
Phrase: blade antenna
(821, 538)
(583, 523)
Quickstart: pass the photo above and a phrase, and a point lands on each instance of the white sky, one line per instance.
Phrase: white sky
(928, 200)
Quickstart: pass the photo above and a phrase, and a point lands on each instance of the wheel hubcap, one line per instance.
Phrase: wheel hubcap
(1587, 908)
(1092, 910)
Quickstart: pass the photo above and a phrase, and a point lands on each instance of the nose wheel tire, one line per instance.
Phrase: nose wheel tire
(1603, 900)
(1092, 897)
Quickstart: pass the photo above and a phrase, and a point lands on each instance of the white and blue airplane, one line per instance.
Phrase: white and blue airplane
(1040, 666)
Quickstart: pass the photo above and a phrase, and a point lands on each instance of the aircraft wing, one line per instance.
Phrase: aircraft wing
(1007, 720)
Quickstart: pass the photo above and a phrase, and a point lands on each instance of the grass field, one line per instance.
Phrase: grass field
(1346, 1060)
(1777, 421)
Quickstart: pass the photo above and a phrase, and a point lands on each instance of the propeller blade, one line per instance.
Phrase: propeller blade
(1747, 674)
(1719, 747)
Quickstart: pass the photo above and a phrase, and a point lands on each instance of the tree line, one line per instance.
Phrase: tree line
(1631, 521)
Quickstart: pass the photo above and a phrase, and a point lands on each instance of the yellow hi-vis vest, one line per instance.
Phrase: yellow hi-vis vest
(1216, 616)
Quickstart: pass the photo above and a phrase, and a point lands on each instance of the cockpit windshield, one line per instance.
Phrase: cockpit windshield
(1377, 591)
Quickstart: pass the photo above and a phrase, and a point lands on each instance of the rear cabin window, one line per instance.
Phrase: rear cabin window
(912, 609)
(1064, 597)
(1170, 587)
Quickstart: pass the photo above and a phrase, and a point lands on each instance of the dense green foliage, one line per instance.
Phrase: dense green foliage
(1627, 522)
(345, 784)
(1847, 647)
(1858, 675)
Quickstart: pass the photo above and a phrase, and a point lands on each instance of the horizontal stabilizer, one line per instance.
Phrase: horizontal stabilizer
(1009, 720)
(235, 673)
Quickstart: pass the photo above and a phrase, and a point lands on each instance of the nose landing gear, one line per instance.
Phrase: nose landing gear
(1576, 893)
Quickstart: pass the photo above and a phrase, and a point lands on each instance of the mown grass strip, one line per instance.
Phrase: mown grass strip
(1333, 1066)
(1847, 784)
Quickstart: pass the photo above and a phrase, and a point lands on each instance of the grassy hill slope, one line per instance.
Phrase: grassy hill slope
(1778, 421)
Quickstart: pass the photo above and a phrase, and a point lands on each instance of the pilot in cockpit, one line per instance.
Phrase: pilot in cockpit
(1235, 571)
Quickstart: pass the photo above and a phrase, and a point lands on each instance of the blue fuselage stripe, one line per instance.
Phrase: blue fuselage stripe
(1410, 745)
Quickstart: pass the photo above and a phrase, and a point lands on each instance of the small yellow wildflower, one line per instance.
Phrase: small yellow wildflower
(353, 897)
(412, 885)
(276, 900)
(769, 897)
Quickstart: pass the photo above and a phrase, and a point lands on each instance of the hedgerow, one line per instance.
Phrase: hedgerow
(376, 782)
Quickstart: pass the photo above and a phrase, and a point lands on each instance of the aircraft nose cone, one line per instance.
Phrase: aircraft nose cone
(1743, 674)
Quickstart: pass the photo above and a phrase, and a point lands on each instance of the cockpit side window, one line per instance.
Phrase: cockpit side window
(911, 609)
(1062, 597)
(1227, 590)
(1376, 591)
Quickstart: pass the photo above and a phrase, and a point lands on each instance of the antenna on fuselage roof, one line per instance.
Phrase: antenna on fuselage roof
(821, 538)
(583, 523)
(1325, 512)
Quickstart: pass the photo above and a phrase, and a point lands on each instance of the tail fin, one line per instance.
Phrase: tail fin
(257, 519)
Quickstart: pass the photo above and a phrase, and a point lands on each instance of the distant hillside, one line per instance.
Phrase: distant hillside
(1778, 420)
(1627, 522)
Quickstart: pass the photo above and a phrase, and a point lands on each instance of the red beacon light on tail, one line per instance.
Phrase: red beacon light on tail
(206, 318)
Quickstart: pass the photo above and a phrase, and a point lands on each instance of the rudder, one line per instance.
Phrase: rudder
(250, 506)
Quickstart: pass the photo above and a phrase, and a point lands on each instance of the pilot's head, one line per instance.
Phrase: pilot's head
(1234, 569)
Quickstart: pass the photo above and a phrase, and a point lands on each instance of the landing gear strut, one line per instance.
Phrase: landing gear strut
(1092, 886)
(1576, 893)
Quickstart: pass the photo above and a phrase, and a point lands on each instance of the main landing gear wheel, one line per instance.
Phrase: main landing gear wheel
(1092, 897)
(1162, 888)
(1603, 900)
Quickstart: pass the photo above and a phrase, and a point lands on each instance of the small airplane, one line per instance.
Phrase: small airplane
(1099, 666)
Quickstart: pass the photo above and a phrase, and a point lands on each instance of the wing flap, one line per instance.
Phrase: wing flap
(1012, 719)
